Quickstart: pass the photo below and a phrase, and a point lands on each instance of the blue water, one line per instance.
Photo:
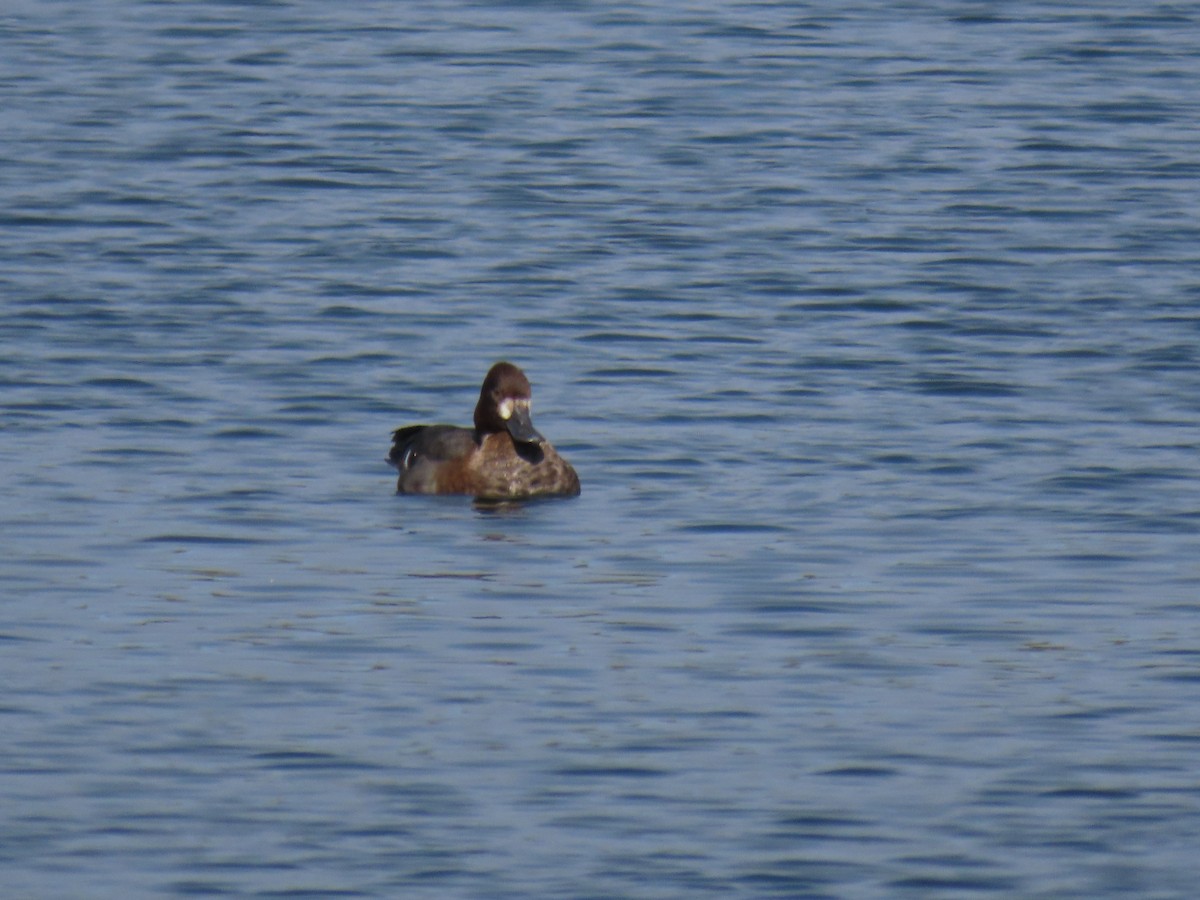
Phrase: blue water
(874, 335)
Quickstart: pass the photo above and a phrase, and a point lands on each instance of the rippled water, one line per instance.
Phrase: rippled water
(873, 334)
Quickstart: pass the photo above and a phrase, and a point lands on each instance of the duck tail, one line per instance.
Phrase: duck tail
(401, 439)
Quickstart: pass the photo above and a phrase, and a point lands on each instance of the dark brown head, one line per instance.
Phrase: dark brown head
(504, 405)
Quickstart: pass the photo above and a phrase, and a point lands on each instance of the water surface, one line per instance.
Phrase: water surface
(874, 339)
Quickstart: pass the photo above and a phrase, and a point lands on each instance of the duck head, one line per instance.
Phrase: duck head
(504, 405)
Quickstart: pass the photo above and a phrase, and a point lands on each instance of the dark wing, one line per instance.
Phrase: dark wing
(433, 442)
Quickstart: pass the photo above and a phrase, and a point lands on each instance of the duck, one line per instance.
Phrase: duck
(502, 458)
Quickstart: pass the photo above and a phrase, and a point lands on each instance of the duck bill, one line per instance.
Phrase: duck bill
(520, 426)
